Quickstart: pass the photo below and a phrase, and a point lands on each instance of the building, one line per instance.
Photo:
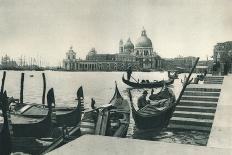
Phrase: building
(180, 63)
(222, 58)
(70, 62)
(8, 63)
(141, 56)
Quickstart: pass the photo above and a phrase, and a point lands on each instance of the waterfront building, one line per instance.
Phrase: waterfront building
(70, 62)
(139, 57)
(180, 63)
(222, 56)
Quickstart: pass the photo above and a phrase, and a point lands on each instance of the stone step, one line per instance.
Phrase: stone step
(213, 82)
(189, 127)
(200, 98)
(201, 93)
(198, 103)
(191, 121)
(214, 77)
(196, 109)
(197, 115)
(203, 89)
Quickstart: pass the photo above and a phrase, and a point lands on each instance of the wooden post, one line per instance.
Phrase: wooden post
(3, 82)
(21, 89)
(44, 88)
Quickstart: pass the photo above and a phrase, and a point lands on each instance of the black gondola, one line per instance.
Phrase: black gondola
(145, 84)
(64, 116)
(112, 119)
(153, 116)
(31, 127)
(157, 117)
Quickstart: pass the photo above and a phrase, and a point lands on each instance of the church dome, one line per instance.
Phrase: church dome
(129, 44)
(92, 52)
(143, 40)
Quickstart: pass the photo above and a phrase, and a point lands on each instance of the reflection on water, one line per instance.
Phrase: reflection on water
(100, 86)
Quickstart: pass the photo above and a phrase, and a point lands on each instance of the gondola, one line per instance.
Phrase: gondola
(31, 127)
(109, 120)
(157, 114)
(64, 117)
(154, 84)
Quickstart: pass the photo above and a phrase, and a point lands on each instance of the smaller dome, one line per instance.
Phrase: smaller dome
(92, 52)
(129, 44)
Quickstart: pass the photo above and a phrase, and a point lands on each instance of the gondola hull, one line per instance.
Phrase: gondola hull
(64, 117)
(156, 84)
(159, 121)
(157, 113)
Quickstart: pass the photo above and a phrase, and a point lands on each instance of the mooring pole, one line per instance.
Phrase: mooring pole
(3, 82)
(44, 88)
(21, 89)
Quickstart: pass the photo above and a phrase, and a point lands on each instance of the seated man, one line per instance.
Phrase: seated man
(142, 101)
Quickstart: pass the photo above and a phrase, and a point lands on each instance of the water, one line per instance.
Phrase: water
(100, 86)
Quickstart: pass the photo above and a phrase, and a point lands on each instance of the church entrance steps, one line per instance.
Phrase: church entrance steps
(198, 103)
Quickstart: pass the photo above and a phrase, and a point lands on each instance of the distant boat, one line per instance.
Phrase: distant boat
(144, 84)
(31, 75)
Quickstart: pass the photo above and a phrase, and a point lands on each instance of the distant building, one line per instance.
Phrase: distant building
(141, 56)
(70, 62)
(222, 56)
(181, 63)
(8, 63)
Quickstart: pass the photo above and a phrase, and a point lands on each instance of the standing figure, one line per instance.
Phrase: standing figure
(129, 72)
(93, 102)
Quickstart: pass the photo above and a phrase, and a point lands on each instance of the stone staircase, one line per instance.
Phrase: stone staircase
(197, 106)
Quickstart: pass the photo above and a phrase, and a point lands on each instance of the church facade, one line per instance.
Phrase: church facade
(140, 56)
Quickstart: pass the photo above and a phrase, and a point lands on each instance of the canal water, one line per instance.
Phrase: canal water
(100, 86)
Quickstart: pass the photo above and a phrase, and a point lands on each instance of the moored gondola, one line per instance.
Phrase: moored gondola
(109, 120)
(31, 127)
(155, 115)
(64, 117)
(154, 84)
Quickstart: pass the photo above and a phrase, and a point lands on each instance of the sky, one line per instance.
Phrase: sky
(47, 28)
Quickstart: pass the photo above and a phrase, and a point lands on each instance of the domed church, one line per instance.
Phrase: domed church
(139, 56)
(143, 51)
